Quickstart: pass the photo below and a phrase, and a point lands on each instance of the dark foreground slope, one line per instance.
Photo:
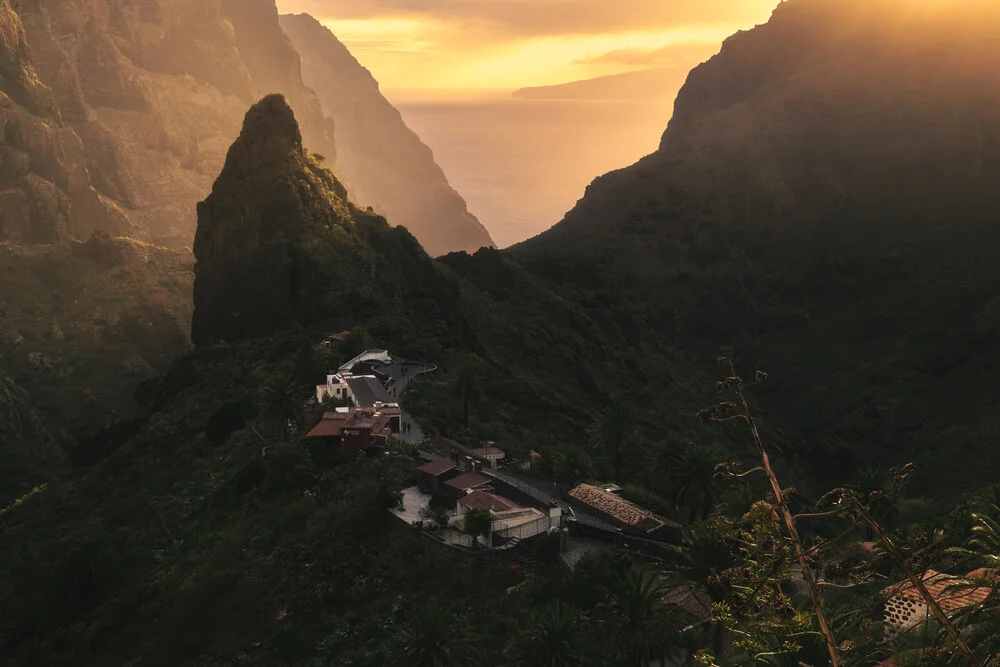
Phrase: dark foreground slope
(82, 327)
(382, 162)
(827, 194)
(206, 535)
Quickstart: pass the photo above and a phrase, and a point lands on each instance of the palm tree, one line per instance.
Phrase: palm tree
(613, 430)
(643, 626)
(552, 638)
(707, 552)
(478, 522)
(984, 545)
(282, 398)
(435, 638)
(693, 479)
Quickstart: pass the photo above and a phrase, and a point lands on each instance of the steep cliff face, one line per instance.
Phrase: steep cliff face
(279, 244)
(46, 194)
(827, 193)
(382, 162)
(155, 93)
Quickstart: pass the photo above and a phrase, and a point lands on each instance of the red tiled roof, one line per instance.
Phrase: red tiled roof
(480, 500)
(618, 508)
(951, 593)
(341, 336)
(435, 468)
(469, 480)
(987, 574)
(329, 425)
(691, 599)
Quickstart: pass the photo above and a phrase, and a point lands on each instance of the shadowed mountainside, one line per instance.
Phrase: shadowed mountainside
(826, 195)
(381, 161)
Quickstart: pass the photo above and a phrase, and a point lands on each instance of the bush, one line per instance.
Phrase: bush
(289, 468)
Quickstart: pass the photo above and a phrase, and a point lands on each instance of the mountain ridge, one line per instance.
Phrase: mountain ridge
(788, 190)
(660, 83)
(381, 161)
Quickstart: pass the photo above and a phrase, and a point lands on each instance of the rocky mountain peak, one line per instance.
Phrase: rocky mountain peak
(253, 273)
(270, 140)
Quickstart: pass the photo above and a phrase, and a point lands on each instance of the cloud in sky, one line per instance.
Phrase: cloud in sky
(499, 44)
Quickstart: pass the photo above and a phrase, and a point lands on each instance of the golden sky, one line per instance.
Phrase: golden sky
(478, 45)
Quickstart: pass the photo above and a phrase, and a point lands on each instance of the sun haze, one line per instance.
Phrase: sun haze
(456, 46)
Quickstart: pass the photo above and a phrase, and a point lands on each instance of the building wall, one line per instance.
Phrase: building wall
(902, 613)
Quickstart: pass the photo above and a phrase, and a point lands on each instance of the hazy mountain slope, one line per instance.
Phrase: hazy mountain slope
(156, 93)
(826, 192)
(382, 162)
(46, 194)
(654, 84)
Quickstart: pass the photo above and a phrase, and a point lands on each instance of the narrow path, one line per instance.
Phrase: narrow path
(401, 373)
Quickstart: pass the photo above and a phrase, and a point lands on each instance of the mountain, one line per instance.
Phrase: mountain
(382, 162)
(201, 527)
(119, 118)
(825, 196)
(279, 243)
(653, 84)
(47, 194)
(148, 98)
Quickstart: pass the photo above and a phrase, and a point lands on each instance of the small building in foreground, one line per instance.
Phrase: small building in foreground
(491, 455)
(467, 482)
(622, 513)
(432, 476)
(342, 434)
(905, 608)
(509, 521)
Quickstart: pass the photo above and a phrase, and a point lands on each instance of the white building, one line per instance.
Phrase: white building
(491, 454)
(509, 520)
(362, 391)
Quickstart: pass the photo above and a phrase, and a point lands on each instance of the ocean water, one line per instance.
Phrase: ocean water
(522, 164)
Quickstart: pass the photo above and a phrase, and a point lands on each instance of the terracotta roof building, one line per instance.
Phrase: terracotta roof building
(693, 600)
(508, 519)
(469, 480)
(618, 510)
(343, 433)
(431, 476)
(905, 608)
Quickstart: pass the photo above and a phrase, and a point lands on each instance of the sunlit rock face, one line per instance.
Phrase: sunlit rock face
(150, 96)
(382, 162)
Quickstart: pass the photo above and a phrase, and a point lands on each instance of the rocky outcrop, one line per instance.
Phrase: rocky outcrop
(382, 162)
(271, 203)
(46, 194)
(279, 245)
(153, 94)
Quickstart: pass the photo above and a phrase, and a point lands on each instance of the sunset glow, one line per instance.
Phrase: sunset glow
(450, 45)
